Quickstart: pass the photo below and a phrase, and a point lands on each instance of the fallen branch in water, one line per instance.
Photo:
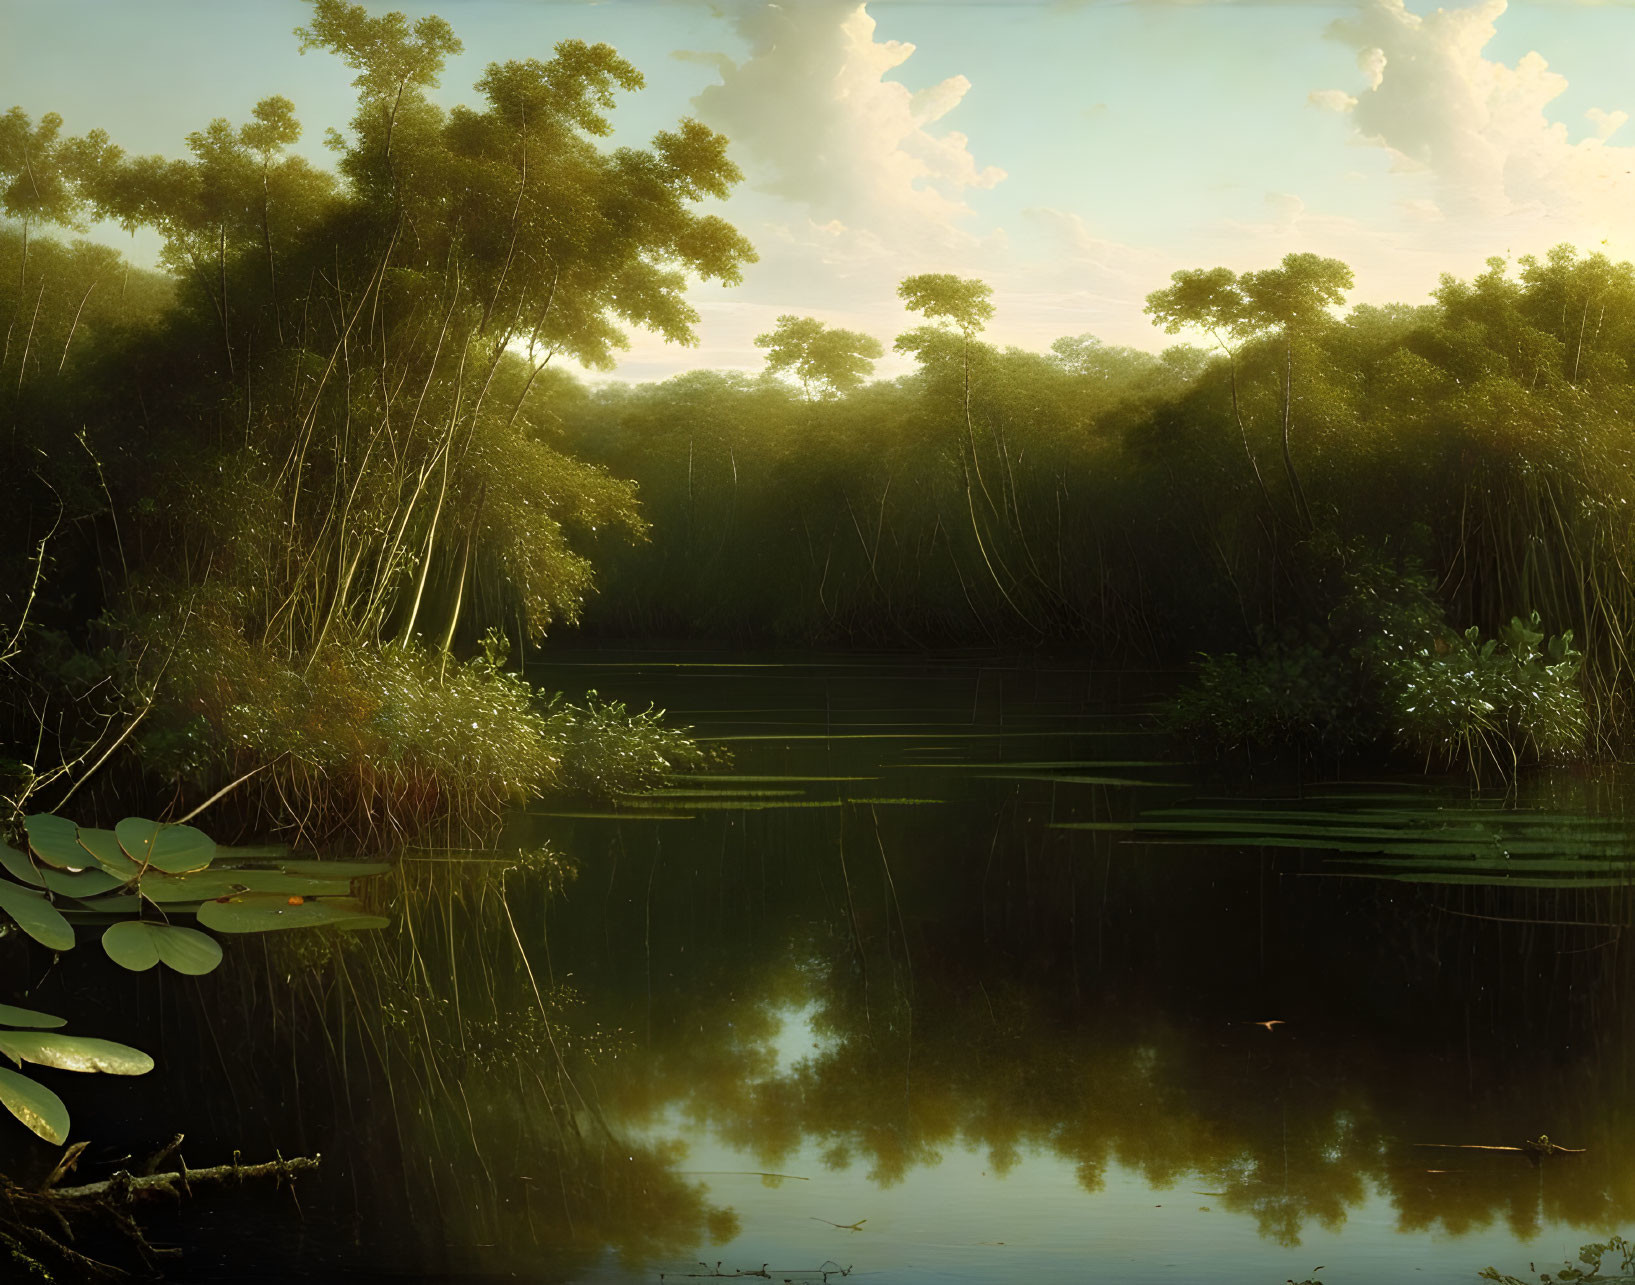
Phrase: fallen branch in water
(125, 1186)
(25, 1215)
(1542, 1147)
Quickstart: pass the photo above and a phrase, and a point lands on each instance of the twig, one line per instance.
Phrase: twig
(70, 1157)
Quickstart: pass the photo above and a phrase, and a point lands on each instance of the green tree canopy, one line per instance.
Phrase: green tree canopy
(833, 360)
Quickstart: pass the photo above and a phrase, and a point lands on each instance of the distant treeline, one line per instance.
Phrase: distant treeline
(1150, 506)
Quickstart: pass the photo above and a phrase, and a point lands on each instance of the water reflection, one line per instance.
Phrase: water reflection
(1025, 1010)
(1002, 1044)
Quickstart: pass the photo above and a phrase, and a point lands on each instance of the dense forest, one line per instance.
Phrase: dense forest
(287, 517)
(286, 506)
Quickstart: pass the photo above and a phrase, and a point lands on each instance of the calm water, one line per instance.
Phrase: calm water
(954, 974)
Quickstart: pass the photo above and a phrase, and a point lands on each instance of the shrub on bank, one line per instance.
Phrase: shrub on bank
(372, 741)
(1383, 667)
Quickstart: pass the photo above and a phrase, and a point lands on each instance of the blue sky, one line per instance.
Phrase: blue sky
(1072, 153)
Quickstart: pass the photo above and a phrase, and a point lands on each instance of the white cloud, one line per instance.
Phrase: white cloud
(1606, 123)
(814, 120)
(1478, 128)
(1332, 100)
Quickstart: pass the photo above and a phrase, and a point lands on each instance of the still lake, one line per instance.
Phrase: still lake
(956, 973)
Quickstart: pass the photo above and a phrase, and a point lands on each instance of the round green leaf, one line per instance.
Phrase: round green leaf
(130, 945)
(74, 1053)
(55, 841)
(104, 846)
(36, 916)
(136, 837)
(210, 884)
(259, 912)
(174, 849)
(138, 945)
(19, 866)
(187, 950)
(36, 1106)
(11, 1015)
(180, 848)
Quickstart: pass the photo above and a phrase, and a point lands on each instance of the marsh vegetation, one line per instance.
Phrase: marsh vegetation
(1324, 618)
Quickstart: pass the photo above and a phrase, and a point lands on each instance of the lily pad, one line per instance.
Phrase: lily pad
(80, 883)
(11, 1015)
(258, 912)
(138, 946)
(55, 841)
(74, 1053)
(40, 1110)
(104, 846)
(36, 916)
(131, 946)
(213, 884)
(175, 849)
(19, 867)
(335, 869)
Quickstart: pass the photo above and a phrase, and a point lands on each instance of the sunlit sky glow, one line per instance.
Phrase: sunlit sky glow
(1072, 154)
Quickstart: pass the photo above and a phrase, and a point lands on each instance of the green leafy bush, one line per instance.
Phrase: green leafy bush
(1385, 667)
(607, 750)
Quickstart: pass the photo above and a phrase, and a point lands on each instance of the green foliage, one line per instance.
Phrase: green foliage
(1510, 698)
(835, 361)
(378, 337)
(607, 750)
(40, 1110)
(1295, 694)
(963, 302)
(1297, 294)
(375, 741)
(142, 873)
(1385, 666)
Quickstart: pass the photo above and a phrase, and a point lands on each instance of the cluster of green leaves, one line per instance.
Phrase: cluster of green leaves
(1385, 666)
(135, 879)
(371, 739)
(607, 750)
(141, 868)
(1511, 697)
(1286, 694)
(378, 338)
(30, 1036)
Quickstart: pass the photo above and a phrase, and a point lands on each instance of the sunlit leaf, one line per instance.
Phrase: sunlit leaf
(74, 1053)
(80, 883)
(211, 884)
(40, 1110)
(131, 946)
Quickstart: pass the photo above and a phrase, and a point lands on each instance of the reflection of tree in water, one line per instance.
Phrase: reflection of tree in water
(449, 1086)
(510, 1064)
(981, 1043)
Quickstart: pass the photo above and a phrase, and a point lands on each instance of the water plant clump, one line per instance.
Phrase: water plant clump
(1379, 664)
(608, 750)
(364, 742)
